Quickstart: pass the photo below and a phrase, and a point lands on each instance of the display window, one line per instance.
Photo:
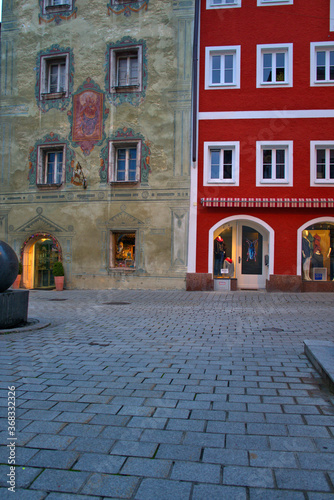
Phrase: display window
(222, 248)
(318, 252)
(122, 251)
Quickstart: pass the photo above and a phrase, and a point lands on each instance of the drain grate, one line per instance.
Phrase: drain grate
(116, 303)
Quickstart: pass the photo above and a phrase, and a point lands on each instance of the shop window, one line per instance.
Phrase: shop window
(54, 76)
(274, 65)
(274, 163)
(322, 163)
(212, 4)
(124, 161)
(50, 171)
(318, 252)
(274, 2)
(56, 5)
(122, 250)
(222, 67)
(126, 69)
(221, 163)
(322, 63)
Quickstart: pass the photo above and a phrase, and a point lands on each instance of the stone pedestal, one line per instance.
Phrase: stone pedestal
(13, 308)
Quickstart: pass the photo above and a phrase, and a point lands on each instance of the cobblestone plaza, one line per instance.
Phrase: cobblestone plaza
(156, 395)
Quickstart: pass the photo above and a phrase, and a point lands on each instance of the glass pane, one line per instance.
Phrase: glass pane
(132, 164)
(216, 64)
(54, 78)
(331, 163)
(251, 251)
(59, 157)
(280, 67)
(51, 157)
(321, 163)
(121, 162)
(227, 164)
(228, 69)
(125, 245)
(215, 158)
(62, 78)
(321, 66)
(133, 71)
(331, 65)
(267, 164)
(280, 164)
(267, 67)
(122, 71)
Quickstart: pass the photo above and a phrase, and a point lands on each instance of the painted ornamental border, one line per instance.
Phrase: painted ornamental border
(126, 9)
(56, 16)
(51, 139)
(121, 134)
(268, 202)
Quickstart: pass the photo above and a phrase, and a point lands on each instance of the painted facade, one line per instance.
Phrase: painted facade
(95, 126)
(264, 173)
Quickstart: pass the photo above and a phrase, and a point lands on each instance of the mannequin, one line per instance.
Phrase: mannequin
(306, 254)
(219, 255)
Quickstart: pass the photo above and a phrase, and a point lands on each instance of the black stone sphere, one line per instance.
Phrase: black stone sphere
(9, 266)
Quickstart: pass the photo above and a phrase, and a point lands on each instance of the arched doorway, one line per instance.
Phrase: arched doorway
(39, 253)
(249, 243)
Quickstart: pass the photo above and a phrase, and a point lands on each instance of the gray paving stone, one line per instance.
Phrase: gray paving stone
(43, 427)
(86, 430)
(273, 459)
(53, 459)
(94, 445)
(263, 494)
(134, 448)
(321, 461)
(291, 443)
(21, 494)
(154, 489)
(60, 480)
(225, 457)
(147, 422)
(179, 452)
(228, 427)
(98, 462)
(146, 467)
(301, 480)
(162, 436)
(248, 476)
(247, 442)
(51, 442)
(215, 492)
(103, 484)
(308, 430)
(199, 472)
(24, 476)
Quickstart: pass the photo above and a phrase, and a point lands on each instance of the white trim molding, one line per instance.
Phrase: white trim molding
(259, 115)
(223, 4)
(331, 16)
(263, 3)
(222, 51)
(316, 47)
(283, 49)
(326, 181)
(274, 180)
(234, 147)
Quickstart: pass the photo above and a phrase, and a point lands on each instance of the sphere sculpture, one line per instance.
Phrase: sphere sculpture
(9, 266)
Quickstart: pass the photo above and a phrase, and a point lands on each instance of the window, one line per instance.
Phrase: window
(54, 76)
(222, 67)
(124, 161)
(274, 65)
(126, 69)
(123, 250)
(56, 5)
(322, 163)
(51, 162)
(322, 64)
(214, 4)
(274, 163)
(221, 163)
(274, 2)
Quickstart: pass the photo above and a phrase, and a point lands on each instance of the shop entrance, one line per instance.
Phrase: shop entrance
(246, 244)
(40, 253)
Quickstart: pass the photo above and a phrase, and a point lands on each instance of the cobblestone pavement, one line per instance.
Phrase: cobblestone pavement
(168, 395)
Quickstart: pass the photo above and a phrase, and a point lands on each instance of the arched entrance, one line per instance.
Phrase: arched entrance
(249, 243)
(39, 253)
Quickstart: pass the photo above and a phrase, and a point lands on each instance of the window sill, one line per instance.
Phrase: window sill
(119, 270)
(121, 183)
(125, 88)
(49, 186)
(55, 95)
(57, 8)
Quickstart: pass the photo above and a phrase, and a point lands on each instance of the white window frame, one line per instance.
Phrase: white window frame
(42, 155)
(46, 62)
(314, 145)
(48, 6)
(112, 249)
(115, 54)
(234, 50)
(322, 46)
(287, 48)
(274, 145)
(123, 144)
(223, 4)
(261, 3)
(222, 145)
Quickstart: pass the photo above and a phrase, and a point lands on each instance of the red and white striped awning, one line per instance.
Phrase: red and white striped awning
(268, 202)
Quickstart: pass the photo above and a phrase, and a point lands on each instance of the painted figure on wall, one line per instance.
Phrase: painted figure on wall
(88, 116)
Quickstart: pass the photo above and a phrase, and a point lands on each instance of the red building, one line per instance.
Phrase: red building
(263, 174)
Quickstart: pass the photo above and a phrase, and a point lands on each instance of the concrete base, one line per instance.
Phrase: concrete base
(321, 355)
(13, 308)
(284, 283)
(199, 282)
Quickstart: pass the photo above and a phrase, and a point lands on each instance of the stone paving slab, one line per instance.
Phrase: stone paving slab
(321, 355)
(177, 396)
